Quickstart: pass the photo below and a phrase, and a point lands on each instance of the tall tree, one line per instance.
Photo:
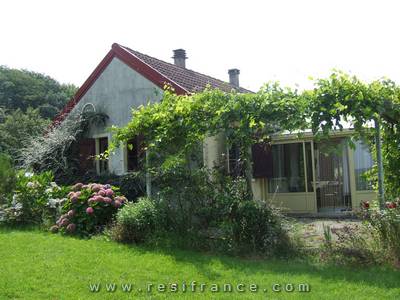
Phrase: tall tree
(21, 89)
(18, 127)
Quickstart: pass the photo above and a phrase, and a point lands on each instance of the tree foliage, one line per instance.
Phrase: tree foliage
(19, 127)
(22, 89)
(27, 101)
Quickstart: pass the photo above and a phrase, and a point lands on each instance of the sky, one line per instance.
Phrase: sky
(285, 40)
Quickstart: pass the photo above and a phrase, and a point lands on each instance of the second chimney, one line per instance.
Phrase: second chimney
(234, 77)
(180, 58)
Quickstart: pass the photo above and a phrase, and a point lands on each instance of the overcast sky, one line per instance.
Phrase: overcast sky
(267, 40)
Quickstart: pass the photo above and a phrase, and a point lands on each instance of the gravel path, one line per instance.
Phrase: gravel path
(313, 229)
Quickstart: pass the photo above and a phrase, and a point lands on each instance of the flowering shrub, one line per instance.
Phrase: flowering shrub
(36, 199)
(387, 223)
(88, 209)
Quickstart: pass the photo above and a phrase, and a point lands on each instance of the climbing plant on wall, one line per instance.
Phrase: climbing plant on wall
(176, 124)
(340, 100)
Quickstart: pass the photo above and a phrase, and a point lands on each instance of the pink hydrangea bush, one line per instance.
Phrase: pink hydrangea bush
(89, 209)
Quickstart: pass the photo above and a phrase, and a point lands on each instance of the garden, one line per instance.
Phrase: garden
(65, 236)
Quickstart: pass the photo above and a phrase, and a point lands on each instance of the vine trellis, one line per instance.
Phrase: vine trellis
(175, 125)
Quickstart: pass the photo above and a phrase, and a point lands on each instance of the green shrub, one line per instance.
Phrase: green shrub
(186, 198)
(7, 177)
(214, 213)
(132, 185)
(136, 222)
(255, 227)
(88, 209)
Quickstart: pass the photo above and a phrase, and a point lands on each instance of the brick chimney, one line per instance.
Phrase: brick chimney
(234, 76)
(180, 58)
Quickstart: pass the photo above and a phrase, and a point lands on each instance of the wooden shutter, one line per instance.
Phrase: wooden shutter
(262, 160)
(87, 151)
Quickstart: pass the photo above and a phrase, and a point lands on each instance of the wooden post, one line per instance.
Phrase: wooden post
(378, 144)
(148, 175)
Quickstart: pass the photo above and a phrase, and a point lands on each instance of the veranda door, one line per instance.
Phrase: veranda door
(332, 177)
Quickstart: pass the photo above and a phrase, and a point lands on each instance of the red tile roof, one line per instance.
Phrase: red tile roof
(184, 81)
(191, 81)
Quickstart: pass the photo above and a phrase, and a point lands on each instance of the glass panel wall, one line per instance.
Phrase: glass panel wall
(363, 162)
(288, 169)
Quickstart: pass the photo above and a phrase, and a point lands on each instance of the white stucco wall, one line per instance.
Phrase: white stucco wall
(117, 90)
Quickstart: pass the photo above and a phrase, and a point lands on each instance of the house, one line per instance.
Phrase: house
(294, 173)
(125, 79)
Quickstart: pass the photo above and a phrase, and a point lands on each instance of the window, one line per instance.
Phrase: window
(235, 164)
(362, 162)
(287, 169)
(135, 154)
(103, 163)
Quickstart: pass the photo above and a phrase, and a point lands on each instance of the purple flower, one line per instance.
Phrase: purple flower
(71, 227)
(109, 193)
(99, 199)
(96, 187)
(71, 213)
(77, 187)
(89, 210)
(64, 222)
(74, 199)
(117, 204)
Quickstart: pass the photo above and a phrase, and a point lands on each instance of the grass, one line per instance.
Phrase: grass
(37, 265)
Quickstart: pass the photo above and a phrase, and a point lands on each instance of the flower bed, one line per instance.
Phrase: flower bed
(387, 223)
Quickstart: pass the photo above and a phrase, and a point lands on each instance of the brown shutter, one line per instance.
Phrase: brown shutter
(262, 160)
(87, 151)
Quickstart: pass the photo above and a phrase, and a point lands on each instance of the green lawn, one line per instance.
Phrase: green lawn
(36, 265)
